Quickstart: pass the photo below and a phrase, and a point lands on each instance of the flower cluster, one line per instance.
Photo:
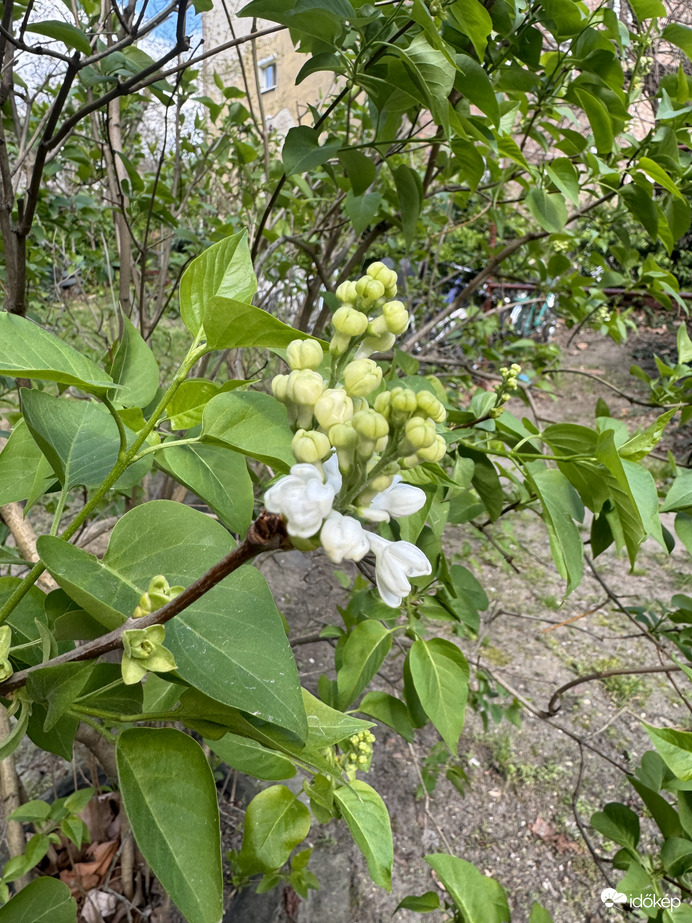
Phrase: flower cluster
(353, 437)
(157, 596)
(358, 755)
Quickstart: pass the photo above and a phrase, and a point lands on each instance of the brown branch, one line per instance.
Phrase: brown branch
(554, 703)
(25, 539)
(267, 533)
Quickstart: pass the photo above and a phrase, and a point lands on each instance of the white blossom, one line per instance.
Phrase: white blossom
(343, 538)
(332, 472)
(395, 563)
(397, 500)
(302, 499)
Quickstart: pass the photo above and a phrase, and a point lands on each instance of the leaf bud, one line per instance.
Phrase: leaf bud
(349, 321)
(335, 406)
(310, 446)
(395, 316)
(431, 406)
(304, 354)
(361, 377)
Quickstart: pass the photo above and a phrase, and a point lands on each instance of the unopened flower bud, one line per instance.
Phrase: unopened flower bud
(419, 433)
(434, 452)
(403, 404)
(304, 389)
(335, 406)
(371, 428)
(279, 385)
(383, 274)
(344, 438)
(377, 326)
(361, 377)
(349, 321)
(372, 344)
(431, 406)
(369, 289)
(339, 344)
(395, 316)
(310, 446)
(304, 354)
(382, 403)
(346, 293)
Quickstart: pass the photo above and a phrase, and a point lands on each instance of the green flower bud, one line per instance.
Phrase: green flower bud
(360, 403)
(143, 651)
(403, 404)
(344, 438)
(395, 316)
(304, 389)
(372, 344)
(369, 289)
(159, 584)
(335, 406)
(381, 482)
(419, 433)
(304, 354)
(279, 386)
(383, 274)
(310, 446)
(431, 407)
(361, 377)
(382, 403)
(339, 344)
(371, 427)
(434, 452)
(377, 326)
(6, 669)
(349, 321)
(346, 293)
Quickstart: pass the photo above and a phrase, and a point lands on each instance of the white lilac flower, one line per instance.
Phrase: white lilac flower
(332, 473)
(397, 500)
(395, 563)
(302, 499)
(343, 538)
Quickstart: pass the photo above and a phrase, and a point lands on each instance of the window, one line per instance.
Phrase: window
(267, 74)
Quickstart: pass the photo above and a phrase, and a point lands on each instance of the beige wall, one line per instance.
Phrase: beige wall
(283, 107)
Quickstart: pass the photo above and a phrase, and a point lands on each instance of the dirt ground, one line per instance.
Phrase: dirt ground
(529, 789)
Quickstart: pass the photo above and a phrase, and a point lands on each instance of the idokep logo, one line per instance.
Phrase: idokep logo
(611, 897)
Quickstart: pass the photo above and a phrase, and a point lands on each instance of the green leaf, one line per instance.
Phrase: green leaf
(599, 119)
(619, 823)
(230, 644)
(216, 475)
(135, 369)
(252, 758)
(362, 209)
(79, 439)
(367, 818)
(647, 9)
(63, 32)
(360, 168)
(10, 743)
(479, 898)
(563, 173)
(252, 423)
(421, 903)
(679, 496)
(362, 655)
(440, 676)
(188, 403)
(473, 82)
(683, 530)
(679, 35)
(561, 506)
(666, 817)
(45, 900)
(224, 272)
(24, 621)
(302, 152)
(471, 18)
(60, 738)
(540, 915)
(389, 710)
(22, 466)
(29, 351)
(659, 175)
(182, 846)
(684, 344)
(409, 189)
(548, 208)
(275, 823)
(675, 747)
(58, 687)
(676, 855)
